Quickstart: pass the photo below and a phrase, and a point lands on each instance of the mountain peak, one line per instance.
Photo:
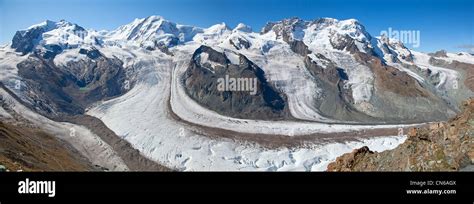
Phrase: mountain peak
(286, 25)
(156, 20)
(221, 25)
(292, 20)
(152, 31)
(143, 28)
(286, 21)
(155, 17)
(351, 21)
(218, 28)
(48, 25)
(62, 33)
(242, 27)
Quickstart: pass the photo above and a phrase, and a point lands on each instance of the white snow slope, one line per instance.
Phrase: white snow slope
(140, 117)
(191, 111)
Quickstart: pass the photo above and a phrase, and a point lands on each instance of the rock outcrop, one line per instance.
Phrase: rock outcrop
(56, 89)
(440, 53)
(468, 69)
(253, 97)
(445, 146)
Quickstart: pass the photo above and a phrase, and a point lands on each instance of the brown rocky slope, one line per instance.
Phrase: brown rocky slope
(445, 146)
(27, 148)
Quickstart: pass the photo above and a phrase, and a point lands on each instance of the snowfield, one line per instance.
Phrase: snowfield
(68, 56)
(140, 116)
(144, 116)
(8, 70)
(191, 111)
(447, 76)
(318, 39)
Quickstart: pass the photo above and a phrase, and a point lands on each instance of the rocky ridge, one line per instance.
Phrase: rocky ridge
(444, 146)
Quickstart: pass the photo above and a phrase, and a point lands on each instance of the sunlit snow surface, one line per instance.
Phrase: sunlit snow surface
(140, 116)
(190, 110)
(447, 76)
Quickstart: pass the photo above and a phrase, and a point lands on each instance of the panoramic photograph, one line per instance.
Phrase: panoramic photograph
(236, 86)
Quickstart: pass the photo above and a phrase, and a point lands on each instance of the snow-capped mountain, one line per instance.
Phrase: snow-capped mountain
(53, 36)
(154, 84)
(152, 31)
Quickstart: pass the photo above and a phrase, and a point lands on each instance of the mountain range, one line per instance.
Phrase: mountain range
(150, 88)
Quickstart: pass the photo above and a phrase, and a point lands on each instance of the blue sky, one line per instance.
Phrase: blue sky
(443, 24)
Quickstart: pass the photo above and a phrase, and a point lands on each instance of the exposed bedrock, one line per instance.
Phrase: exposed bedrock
(68, 89)
(209, 79)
